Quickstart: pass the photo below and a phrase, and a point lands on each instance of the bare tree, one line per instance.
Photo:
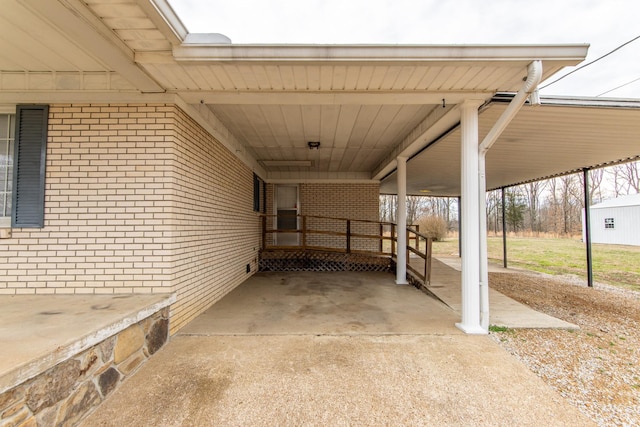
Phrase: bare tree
(415, 207)
(533, 191)
(595, 185)
(616, 176)
(572, 201)
(631, 174)
(388, 207)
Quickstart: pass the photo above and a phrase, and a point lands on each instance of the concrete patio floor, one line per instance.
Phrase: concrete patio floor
(503, 311)
(331, 349)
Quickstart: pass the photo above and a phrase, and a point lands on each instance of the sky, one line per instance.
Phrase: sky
(604, 24)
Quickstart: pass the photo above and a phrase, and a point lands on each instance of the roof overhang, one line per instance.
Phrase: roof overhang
(557, 137)
(366, 104)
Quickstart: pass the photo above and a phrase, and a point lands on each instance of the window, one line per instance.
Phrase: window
(259, 188)
(23, 137)
(7, 132)
(609, 223)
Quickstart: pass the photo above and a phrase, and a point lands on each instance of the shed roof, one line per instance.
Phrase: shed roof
(622, 201)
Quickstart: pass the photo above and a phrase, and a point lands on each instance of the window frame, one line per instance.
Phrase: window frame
(5, 221)
(609, 223)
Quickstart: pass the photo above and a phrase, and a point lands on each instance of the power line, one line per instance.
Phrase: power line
(592, 62)
(618, 87)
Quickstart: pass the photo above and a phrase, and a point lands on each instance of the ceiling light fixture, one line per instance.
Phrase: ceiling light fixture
(285, 163)
(313, 144)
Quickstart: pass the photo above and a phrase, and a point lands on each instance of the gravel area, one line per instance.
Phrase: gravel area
(596, 368)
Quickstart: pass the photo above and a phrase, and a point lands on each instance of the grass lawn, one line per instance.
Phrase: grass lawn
(613, 264)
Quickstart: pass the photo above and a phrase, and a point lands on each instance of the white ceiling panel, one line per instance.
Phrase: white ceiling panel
(29, 43)
(353, 138)
(542, 141)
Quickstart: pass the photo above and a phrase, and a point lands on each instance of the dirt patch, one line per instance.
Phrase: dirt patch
(596, 368)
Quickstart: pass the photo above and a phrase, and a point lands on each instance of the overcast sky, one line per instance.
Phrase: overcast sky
(604, 24)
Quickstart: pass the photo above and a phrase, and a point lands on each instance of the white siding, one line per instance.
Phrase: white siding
(626, 229)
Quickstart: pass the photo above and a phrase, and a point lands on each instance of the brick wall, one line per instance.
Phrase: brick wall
(138, 199)
(215, 231)
(106, 200)
(358, 201)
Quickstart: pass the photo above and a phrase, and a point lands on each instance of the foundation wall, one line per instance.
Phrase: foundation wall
(69, 391)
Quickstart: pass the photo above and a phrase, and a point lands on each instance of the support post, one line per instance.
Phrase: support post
(587, 227)
(304, 232)
(348, 236)
(482, 235)
(470, 219)
(459, 227)
(393, 240)
(401, 215)
(504, 230)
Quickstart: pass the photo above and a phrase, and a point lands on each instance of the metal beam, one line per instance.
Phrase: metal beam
(587, 226)
(318, 97)
(439, 120)
(504, 230)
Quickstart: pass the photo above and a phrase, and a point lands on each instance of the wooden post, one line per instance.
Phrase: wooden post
(264, 232)
(393, 242)
(304, 232)
(427, 263)
(348, 236)
(381, 237)
(407, 248)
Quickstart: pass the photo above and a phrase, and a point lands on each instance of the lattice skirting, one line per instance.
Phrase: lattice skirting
(321, 261)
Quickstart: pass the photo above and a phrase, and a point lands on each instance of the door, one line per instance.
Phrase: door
(287, 211)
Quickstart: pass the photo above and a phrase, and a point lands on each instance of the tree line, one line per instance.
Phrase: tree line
(551, 206)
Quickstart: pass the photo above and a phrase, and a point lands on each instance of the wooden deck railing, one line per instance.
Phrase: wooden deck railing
(417, 237)
(346, 235)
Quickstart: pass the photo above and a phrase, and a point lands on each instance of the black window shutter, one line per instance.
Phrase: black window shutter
(256, 193)
(27, 208)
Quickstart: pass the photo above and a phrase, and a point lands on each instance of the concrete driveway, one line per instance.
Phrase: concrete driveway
(331, 349)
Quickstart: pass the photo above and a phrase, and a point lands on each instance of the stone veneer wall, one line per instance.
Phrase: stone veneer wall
(138, 199)
(358, 201)
(67, 392)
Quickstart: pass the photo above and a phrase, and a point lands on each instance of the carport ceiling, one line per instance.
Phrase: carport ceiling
(364, 104)
(353, 138)
(557, 137)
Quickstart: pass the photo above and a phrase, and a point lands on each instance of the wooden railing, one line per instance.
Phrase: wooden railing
(425, 274)
(345, 235)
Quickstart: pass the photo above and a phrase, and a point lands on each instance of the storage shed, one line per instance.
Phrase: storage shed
(616, 221)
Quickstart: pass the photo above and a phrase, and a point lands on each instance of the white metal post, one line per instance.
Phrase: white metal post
(484, 262)
(470, 219)
(401, 215)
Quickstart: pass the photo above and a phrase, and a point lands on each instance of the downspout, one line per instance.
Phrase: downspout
(534, 76)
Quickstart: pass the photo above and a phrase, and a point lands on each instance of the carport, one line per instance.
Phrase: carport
(334, 348)
(401, 119)
(152, 153)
